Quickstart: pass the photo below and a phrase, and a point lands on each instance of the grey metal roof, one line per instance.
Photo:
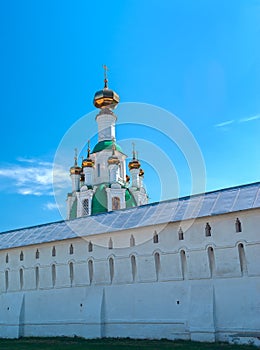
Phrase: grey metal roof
(211, 203)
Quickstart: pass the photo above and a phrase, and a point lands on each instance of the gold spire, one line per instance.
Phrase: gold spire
(106, 98)
(88, 162)
(76, 157)
(134, 164)
(113, 159)
(75, 170)
(105, 76)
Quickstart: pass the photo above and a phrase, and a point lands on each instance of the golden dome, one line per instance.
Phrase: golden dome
(141, 172)
(106, 98)
(88, 162)
(113, 159)
(75, 170)
(134, 164)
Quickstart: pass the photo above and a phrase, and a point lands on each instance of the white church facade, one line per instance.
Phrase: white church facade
(186, 268)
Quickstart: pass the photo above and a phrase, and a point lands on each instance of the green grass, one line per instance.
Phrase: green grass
(106, 344)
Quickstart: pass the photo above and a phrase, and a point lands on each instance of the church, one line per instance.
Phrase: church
(186, 268)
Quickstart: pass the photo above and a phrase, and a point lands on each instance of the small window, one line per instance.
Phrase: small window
(180, 233)
(184, 267)
(53, 253)
(155, 237)
(90, 271)
(157, 264)
(207, 230)
(98, 170)
(6, 280)
(132, 241)
(85, 205)
(133, 265)
(111, 269)
(242, 259)
(7, 258)
(53, 274)
(21, 256)
(115, 203)
(37, 254)
(90, 247)
(21, 278)
(238, 225)
(71, 249)
(71, 270)
(110, 243)
(37, 277)
(211, 257)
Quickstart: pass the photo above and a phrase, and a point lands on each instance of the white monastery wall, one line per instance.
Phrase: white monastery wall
(198, 287)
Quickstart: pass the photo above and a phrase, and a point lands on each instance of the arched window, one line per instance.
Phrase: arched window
(157, 264)
(115, 203)
(238, 225)
(211, 257)
(53, 274)
(6, 280)
(21, 278)
(207, 230)
(242, 259)
(184, 267)
(132, 241)
(98, 170)
(37, 254)
(85, 205)
(90, 271)
(155, 237)
(71, 250)
(180, 233)
(21, 256)
(53, 253)
(133, 265)
(37, 277)
(110, 243)
(111, 269)
(71, 269)
(7, 258)
(90, 247)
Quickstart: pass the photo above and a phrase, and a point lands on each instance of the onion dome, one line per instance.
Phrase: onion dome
(141, 172)
(88, 162)
(75, 170)
(106, 98)
(113, 159)
(134, 164)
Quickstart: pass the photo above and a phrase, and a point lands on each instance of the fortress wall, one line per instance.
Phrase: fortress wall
(198, 287)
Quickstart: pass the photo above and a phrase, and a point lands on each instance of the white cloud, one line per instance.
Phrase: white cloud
(32, 177)
(228, 122)
(249, 119)
(50, 206)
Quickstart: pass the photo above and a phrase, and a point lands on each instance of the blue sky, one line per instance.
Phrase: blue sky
(199, 60)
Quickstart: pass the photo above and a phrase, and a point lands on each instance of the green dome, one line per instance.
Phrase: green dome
(106, 144)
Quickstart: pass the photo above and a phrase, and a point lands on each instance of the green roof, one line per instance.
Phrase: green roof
(99, 201)
(129, 199)
(73, 211)
(106, 144)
